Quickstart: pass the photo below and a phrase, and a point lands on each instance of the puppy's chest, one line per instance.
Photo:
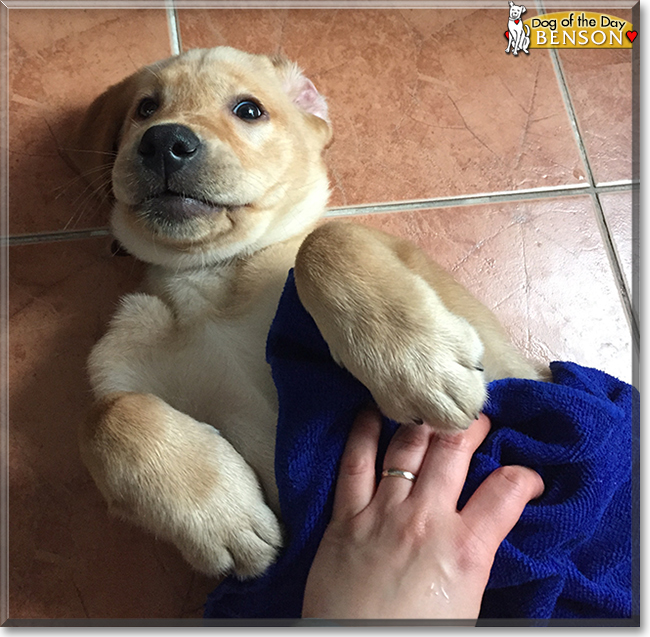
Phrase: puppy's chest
(189, 349)
(214, 368)
(207, 365)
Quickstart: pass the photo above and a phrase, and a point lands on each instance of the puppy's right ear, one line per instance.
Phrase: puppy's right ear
(92, 146)
(302, 92)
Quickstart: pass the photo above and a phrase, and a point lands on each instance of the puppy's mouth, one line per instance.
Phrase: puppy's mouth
(174, 208)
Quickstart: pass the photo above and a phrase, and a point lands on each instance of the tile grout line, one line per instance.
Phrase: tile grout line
(601, 220)
(379, 208)
(454, 202)
(568, 104)
(621, 282)
(174, 27)
(479, 198)
(55, 237)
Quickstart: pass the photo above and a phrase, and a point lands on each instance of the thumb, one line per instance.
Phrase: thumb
(498, 503)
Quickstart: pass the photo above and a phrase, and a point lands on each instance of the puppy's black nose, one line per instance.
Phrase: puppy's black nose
(168, 147)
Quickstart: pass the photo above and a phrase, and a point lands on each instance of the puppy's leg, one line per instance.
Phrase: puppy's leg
(181, 480)
(402, 325)
(160, 468)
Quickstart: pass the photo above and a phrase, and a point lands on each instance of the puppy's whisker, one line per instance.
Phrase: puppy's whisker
(89, 150)
(59, 190)
(84, 197)
(89, 203)
(103, 177)
(87, 196)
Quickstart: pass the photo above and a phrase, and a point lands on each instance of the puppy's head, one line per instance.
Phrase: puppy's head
(214, 153)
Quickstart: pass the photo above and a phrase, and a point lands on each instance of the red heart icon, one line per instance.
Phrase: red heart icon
(516, 21)
(506, 34)
(631, 35)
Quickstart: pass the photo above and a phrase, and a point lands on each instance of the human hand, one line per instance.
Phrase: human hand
(402, 549)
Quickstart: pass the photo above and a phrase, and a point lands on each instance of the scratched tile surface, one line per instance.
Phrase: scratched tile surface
(600, 83)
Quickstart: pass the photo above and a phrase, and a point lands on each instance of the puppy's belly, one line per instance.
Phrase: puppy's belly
(222, 379)
(214, 371)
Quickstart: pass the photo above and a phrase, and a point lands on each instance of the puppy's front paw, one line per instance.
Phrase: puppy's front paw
(244, 540)
(233, 530)
(441, 378)
(180, 479)
(431, 373)
(386, 324)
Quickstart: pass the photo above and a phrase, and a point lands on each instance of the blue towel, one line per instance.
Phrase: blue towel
(570, 554)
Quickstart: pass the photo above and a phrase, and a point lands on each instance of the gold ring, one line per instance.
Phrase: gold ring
(398, 473)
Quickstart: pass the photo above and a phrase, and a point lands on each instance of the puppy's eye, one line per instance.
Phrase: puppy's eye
(147, 107)
(248, 110)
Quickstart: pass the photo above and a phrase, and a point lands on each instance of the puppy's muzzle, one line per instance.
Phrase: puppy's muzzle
(171, 158)
(167, 148)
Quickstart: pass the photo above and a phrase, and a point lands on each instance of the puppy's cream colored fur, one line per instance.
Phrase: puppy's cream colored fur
(181, 438)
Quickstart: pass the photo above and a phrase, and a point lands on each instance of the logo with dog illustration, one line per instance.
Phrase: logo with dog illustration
(518, 33)
(566, 30)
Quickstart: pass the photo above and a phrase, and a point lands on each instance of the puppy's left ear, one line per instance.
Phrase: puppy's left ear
(92, 146)
(304, 95)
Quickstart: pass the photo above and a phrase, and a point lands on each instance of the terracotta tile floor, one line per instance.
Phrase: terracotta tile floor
(420, 114)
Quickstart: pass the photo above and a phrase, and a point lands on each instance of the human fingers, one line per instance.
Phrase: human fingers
(498, 503)
(404, 453)
(446, 463)
(355, 485)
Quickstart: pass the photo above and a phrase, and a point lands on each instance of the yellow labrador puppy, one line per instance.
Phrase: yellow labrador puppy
(219, 184)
